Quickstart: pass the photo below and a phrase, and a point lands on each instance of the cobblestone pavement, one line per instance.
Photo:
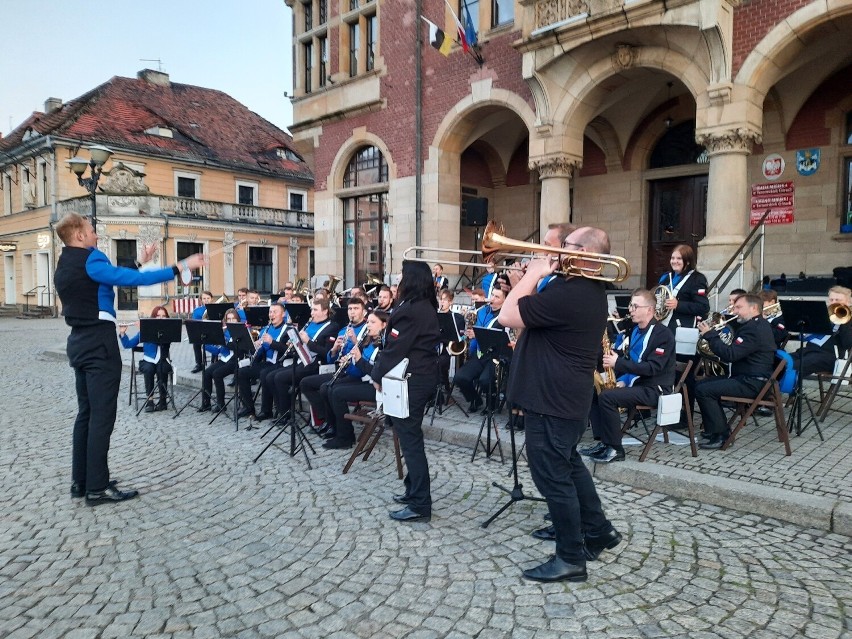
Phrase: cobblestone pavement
(217, 546)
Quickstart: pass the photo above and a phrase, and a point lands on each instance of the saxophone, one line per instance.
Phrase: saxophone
(606, 380)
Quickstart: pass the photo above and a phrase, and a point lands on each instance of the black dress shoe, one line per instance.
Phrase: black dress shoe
(216, 408)
(245, 412)
(714, 442)
(204, 408)
(149, 407)
(595, 545)
(406, 514)
(329, 434)
(77, 490)
(322, 430)
(475, 405)
(338, 444)
(556, 569)
(109, 494)
(198, 368)
(548, 533)
(402, 499)
(261, 416)
(161, 406)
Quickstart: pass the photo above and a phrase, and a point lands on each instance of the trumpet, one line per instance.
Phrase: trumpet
(770, 310)
(495, 245)
(839, 313)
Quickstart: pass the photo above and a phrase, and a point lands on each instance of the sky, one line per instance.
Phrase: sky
(61, 48)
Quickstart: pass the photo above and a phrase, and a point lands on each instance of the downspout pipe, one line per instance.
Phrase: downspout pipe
(418, 127)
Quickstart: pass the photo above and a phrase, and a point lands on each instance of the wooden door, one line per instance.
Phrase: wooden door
(678, 216)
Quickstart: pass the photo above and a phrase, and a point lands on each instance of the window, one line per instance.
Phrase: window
(309, 14)
(298, 200)
(502, 12)
(372, 40)
(187, 185)
(354, 45)
(849, 128)
(260, 269)
(27, 188)
(847, 205)
(323, 60)
(309, 65)
(7, 194)
(353, 4)
(125, 255)
(247, 193)
(42, 188)
(471, 6)
(365, 216)
(194, 288)
(323, 11)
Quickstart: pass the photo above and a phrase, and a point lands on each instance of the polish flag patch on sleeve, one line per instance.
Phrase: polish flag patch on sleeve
(739, 340)
(781, 327)
(702, 291)
(394, 333)
(660, 351)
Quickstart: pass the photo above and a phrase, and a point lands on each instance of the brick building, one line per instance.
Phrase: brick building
(192, 170)
(652, 119)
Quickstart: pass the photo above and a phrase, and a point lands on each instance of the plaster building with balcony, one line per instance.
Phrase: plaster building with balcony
(663, 122)
(191, 170)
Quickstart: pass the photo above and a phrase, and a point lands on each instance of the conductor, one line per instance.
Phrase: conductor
(84, 282)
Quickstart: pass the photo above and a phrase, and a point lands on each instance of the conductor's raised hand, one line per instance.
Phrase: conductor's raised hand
(195, 261)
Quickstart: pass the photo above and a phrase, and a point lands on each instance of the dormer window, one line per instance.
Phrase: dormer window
(287, 154)
(161, 131)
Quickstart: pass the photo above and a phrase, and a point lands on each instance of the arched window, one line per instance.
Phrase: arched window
(364, 216)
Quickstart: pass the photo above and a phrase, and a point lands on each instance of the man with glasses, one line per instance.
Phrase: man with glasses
(644, 371)
(551, 380)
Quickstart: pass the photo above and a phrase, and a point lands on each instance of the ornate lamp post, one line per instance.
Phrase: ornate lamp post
(98, 155)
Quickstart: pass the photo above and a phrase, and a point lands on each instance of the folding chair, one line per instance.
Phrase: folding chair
(374, 426)
(745, 407)
(134, 392)
(636, 413)
(834, 382)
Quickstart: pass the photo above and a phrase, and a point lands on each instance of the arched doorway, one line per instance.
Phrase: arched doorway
(677, 205)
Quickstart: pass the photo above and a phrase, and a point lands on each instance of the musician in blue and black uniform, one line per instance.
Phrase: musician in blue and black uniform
(84, 281)
(477, 374)
(264, 361)
(354, 384)
(155, 362)
(225, 364)
(643, 373)
(318, 336)
(198, 314)
(752, 359)
(819, 352)
(314, 386)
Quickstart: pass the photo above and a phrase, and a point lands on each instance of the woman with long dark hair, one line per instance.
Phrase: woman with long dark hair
(412, 332)
(689, 302)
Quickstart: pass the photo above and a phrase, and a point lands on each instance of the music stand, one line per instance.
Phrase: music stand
(493, 343)
(243, 345)
(341, 315)
(622, 302)
(257, 316)
(202, 332)
(298, 313)
(298, 440)
(217, 311)
(449, 331)
(160, 331)
(810, 317)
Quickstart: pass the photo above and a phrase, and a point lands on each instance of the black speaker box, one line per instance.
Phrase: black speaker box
(476, 212)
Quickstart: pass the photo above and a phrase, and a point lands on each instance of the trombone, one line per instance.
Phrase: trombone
(839, 313)
(495, 245)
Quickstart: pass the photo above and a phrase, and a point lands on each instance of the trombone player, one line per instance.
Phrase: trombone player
(821, 351)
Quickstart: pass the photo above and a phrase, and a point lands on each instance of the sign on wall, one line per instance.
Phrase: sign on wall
(778, 197)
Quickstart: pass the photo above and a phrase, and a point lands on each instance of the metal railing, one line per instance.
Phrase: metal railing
(41, 291)
(754, 239)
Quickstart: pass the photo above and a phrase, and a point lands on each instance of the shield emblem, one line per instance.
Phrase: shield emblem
(807, 161)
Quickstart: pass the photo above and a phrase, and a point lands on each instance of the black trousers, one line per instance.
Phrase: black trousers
(94, 355)
(312, 390)
(708, 392)
(814, 361)
(281, 380)
(198, 352)
(216, 374)
(564, 481)
(246, 375)
(605, 418)
(161, 370)
(345, 391)
(409, 431)
(474, 377)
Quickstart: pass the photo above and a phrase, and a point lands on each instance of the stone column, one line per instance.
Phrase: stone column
(293, 255)
(555, 173)
(727, 200)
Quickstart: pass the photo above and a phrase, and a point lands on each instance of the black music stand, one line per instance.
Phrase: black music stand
(217, 311)
(341, 315)
(298, 440)
(202, 332)
(160, 331)
(493, 343)
(449, 333)
(807, 317)
(622, 302)
(299, 313)
(257, 316)
(243, 345)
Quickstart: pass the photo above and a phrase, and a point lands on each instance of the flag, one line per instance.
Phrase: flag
(461, 34)
(438, 39)
(469, 31)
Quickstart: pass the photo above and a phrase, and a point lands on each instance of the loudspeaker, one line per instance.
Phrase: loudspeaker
(476, 212)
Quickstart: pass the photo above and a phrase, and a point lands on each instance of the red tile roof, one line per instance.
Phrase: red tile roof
(207, 125)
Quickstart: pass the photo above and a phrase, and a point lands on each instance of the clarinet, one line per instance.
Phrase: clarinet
(347, 359)
(259, 350)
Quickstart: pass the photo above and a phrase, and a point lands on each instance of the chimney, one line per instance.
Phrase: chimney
(154, 77)
(52, 104)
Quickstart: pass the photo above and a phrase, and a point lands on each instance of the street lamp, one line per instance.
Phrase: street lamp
(98, 155)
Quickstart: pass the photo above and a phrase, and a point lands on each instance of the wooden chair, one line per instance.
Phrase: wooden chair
(834, 383)
(374, 426)
(745, 407)
(636, 413)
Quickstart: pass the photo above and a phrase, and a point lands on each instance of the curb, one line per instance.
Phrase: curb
(809, 511)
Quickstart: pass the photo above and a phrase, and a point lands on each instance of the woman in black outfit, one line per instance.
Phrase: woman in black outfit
(689, 304)
(412, 332)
